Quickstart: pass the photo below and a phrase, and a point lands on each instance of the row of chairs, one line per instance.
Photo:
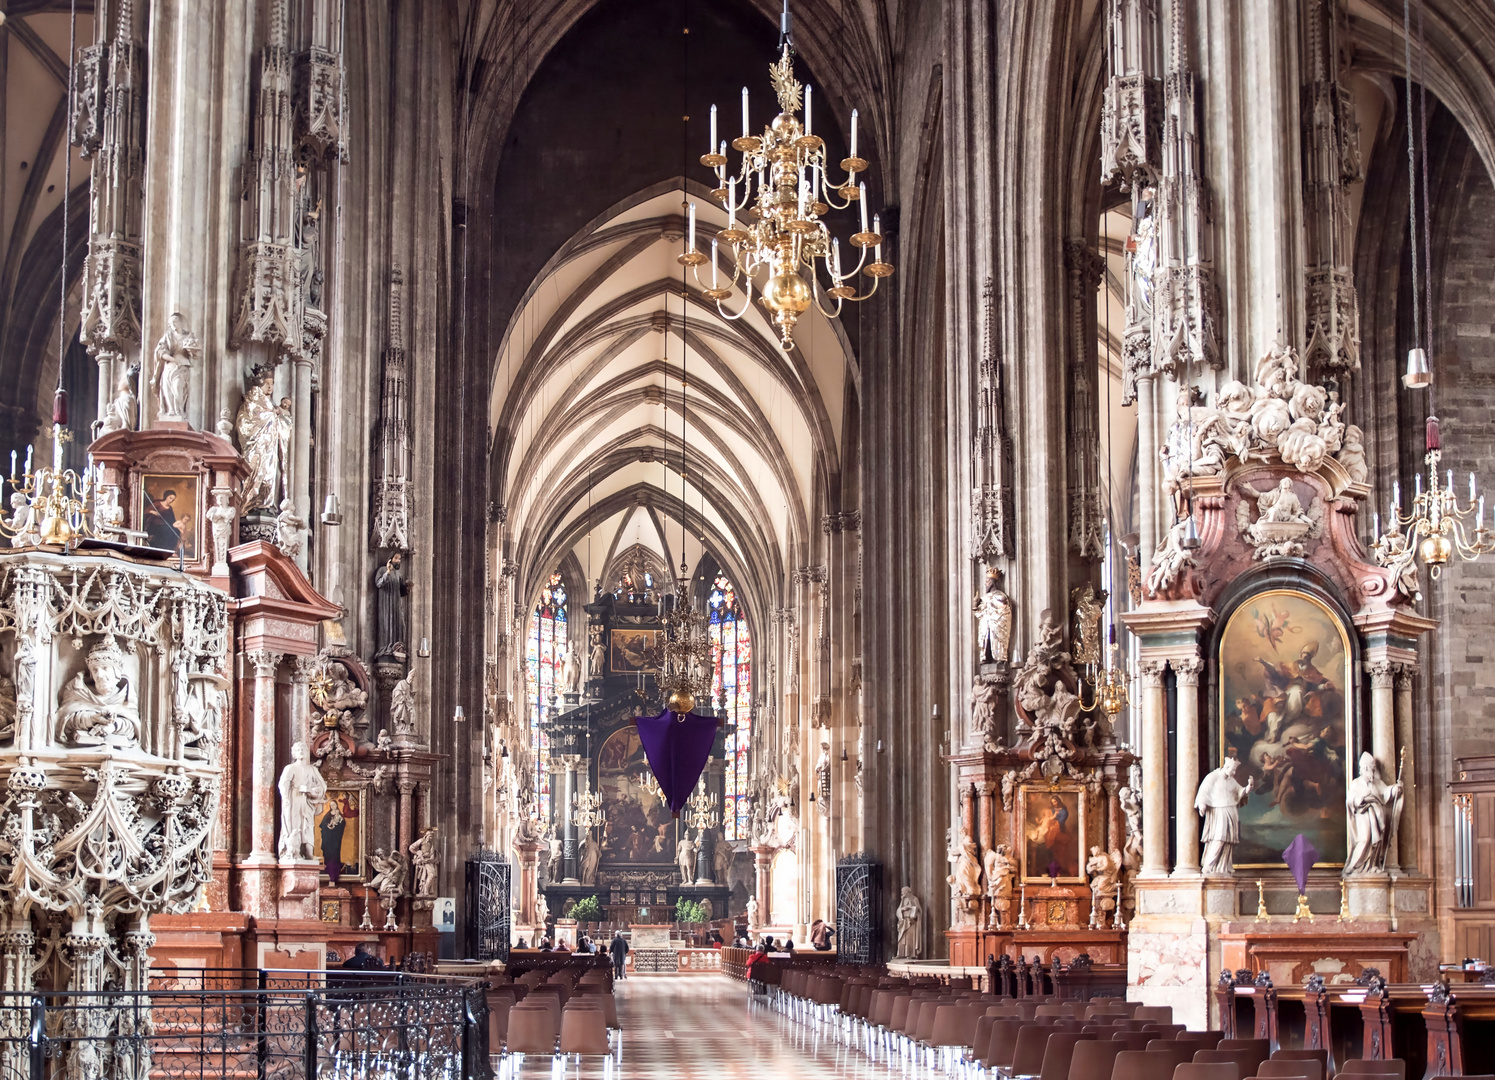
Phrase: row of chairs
(967, 1033)
(558, 1014)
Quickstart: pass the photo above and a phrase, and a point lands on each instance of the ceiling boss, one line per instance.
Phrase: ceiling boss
(774, 205)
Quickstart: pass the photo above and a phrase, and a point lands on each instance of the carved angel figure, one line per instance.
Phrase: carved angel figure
(172, 375)
(1103, 869)
(22, 524)
(94, 706)
(290, 530)
(389, 876)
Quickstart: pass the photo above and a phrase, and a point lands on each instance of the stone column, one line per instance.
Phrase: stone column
(1147, 453)
(763, 881)
(529, 880)
(262, 781)
(984, 838)
(1154, 768)
(1187, 765)
(302, 668)
(568, 765)
(1404, 855)
(300, 485)
(1382, 716)
(407, 814)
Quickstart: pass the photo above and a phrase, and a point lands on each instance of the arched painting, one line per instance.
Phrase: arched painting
(1285, 694)
(639, 827)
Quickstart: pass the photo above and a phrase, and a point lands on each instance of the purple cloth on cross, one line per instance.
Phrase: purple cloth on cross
(1300, 857)
(677, 746)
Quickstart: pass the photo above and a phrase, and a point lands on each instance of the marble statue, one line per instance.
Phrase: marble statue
(1218, 802)
(221, 517)
(119, 414)
(1171, 558)
(999, 867)
(108, 515)
(1394, 551)
(290, 530)
(1281, 522)
(389, 876)
(383, 743)
(389, 579)
(1131, 811)
(984, 709)
(338, 697)
(823, 779)
(993, 621)
(591, 856)
(94, 706)
(402, 705)
(302, 790)
(265, 441)
(171, 378)
(542, 909)
(752, 914)
(721, 860)
(22, 525)
(1375, 808)
(1103, 869)
(965, 882)
(685, 858)
(571, 671)
(597, 662)
(1352, 454)
(424, 858)
(910, 926)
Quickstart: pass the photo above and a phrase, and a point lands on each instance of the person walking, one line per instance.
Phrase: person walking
(619, 950)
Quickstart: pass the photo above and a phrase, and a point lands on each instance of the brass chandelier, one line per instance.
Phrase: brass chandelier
(775, 202)
(685, 669)
(1438, 524)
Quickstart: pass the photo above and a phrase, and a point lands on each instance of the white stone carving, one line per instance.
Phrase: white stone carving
(591, 857)
(424, 858)
(264, 427)
(1352, 454)
(910, 915)
(685, 859)
(119, 414)
(221, 517)
(823, 779)
(290, 530)
(1219, 801)
(1281, 523)
(96, 707)
(998, 866)
(993, 622)
(390, 872)
(753, 922)
(1375, 808)
(965, 882)
(171, 378)
(402, 705)
(302, 790)
(23, 523)
(1104, 870)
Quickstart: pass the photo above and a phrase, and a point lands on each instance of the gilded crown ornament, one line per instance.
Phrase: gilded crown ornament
(775, 202)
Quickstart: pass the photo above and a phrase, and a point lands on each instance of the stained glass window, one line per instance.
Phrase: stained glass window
(732, 681)
(545, 654)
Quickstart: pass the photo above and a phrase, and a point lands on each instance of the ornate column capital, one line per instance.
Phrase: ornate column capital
(1188, 669)
(1382, 673)
(303, 668)
(1152, 672)
(1405, 675)
(265, 661)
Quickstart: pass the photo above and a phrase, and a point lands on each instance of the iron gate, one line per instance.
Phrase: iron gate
(488, 891)
(858, 910)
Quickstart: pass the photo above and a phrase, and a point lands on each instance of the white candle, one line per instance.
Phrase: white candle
(853, 132)
(732, 203)
(862, 189)
(744, 112)
(1471, 487)
(1449, 483)
(815, 186)
(12, 464)
(711, 146)
(29, 448)
(877, 228)
(836, 260)
(1481, 512)
(1396, 494)
(691, 243)
(1417, 489)
(808, 90)
(713, 262)
(1375, 526)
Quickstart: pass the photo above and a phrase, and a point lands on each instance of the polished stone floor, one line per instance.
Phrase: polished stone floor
(701, 1027)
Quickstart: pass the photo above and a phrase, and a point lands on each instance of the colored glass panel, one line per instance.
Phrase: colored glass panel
(545, 655)
(732, 687)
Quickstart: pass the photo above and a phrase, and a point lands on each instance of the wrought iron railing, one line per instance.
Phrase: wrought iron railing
(270, 1025)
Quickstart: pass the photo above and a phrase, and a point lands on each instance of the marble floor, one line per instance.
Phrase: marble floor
(701, 1027)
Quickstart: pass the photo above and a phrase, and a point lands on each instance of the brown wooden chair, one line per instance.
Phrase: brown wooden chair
(1206, 1070)
(1001, 1044)
(584, 1030)
(1276, 1067)
(1244, 1060)
(1141, 1065)
(1027, 1056)
(532, 1029)
(1093, 1059)
(1163, 1014)
(1261, 1049)
(1058, 1054)
(1393, 1067)
(1175, 1051)
(1133, 1040)
(1321, 1056)
(1206, 1040)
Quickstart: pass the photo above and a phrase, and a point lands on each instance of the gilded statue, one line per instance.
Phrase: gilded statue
(265, 441)
(94, 706)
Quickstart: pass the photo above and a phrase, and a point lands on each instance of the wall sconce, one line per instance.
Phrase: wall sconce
(330, 513)
(425, 648)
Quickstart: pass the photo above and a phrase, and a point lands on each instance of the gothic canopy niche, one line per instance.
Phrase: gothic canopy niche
(588, 407)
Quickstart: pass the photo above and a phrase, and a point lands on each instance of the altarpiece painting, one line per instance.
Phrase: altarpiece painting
(639, 827)
(1053, 820)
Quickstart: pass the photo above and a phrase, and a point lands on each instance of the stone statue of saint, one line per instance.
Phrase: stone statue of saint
(752, 913)
(591, 855)
(265, 441)
(423, 856)
(998, 867)
(721, 860)
(685, 858)
(402, 705)
(119, 414)
(172, 376)
(965, 883)
(910, 926)
(302, 790)
(597, 662)
(389, 579)
(1219, 802)
(221, 516)
(389, 876)
(1374, 806)
(290, 530)
(94, 706)
(571, 671)
(1103, 869)
(22, 525)
(993, 621)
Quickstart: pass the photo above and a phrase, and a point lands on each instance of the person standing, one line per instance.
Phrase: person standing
(619, 950)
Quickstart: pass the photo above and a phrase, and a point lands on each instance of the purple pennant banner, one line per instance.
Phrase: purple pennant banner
(677, 746)
(1300, 857)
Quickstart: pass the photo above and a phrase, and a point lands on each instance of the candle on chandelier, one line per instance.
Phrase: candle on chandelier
(711, 146)
(1479, 515)
(1396, 494)
(690, 244)
(836, 260)
(744, 112)
(1449, 485)
(1471, 487)
(713, 262)
(807, 111)
(29, 448)
(804, 187)
(732, 203)
(853, 133)
(862, 189)
(1417, 490)
(1375, 526)
(12, 464)
(877, 228)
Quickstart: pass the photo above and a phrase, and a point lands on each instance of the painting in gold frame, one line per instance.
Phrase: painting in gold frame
(169, 513)
(631, 651)
(1053, 834)
(342, 820)
(1285, 690)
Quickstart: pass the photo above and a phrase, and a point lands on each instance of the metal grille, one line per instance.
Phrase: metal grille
(488, 891)
(858, 910)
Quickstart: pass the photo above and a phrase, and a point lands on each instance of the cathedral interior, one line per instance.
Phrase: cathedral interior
(1010, 470)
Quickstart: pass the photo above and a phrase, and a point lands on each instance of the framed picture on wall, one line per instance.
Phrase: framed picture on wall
(341, 834)
(1053, 840)
(631, 651)
(1285, 687)
(168, 512)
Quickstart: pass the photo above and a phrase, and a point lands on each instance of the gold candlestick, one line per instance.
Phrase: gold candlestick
(1303, 911)
(1261, 901)
(1344, 900)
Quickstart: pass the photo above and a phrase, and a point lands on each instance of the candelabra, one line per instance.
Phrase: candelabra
(701, 812)
(586, 808)
(1110, 686)
(650, 784)
(54, 503)
(685, 661)
(1436, 527)
(782, 189)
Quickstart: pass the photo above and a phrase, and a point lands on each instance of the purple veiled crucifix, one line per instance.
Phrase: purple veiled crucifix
(1300, 857)
(677, 746)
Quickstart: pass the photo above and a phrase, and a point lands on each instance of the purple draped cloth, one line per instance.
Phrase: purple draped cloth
(677, 746)
(1300, 857)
